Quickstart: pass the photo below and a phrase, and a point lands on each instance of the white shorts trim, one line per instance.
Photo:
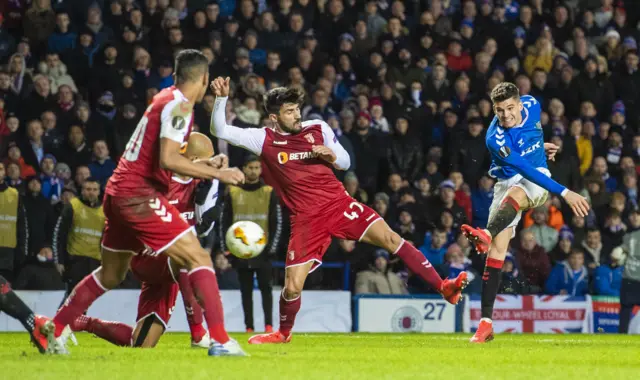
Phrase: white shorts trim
(181, 234)
(157, 317)
(306, 262)
(369, 226)
(117, 250)
(95, 278)
(194, 270)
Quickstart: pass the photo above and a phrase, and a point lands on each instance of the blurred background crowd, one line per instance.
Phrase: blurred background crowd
(403, 84)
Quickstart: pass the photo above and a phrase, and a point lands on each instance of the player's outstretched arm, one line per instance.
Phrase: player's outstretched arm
(171, 159)
(251, 139)
(578, 204)
(341, 161)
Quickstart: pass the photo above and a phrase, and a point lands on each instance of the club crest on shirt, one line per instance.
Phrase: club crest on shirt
(309, 138)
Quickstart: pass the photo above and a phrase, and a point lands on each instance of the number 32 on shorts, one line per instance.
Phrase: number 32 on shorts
(355, 211)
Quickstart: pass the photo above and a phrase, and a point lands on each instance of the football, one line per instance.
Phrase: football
(245, 239)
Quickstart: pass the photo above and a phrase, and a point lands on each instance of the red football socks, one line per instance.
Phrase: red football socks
(205, 287)
(191, 307)
(82, 296)
(115, 332)
(418, 264)
(288, 311)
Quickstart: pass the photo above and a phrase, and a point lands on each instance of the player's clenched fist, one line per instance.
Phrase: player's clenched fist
(220, 86)
(324, 153)
(578, 203)
(551, 149)
(232, 176)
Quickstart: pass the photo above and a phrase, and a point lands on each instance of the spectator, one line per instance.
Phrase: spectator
(39, 272)
(13, 244)
(102, 166)
(435, 246)
(76, 238)
(630, 287)
(512, 281)
(608, 278)
(62, 39)
(404, 154)
(545, 236)
(14, 156)
(226, 275)
(52, 137)
(463, 196)
(569, 277)
(456, 262)
(353, 188)
(51, 185)
(540, 56)
(469, 153)
(596, 251)
(407, 229)
(565, 168)
(481, 199)
(379, 279)
(563, 248)
(39, 23)
(76, 152)
(533, 261)
(382, 207)
(56, 71)
(446, 201)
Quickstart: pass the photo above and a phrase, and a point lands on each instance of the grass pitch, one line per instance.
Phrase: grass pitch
(338, 356)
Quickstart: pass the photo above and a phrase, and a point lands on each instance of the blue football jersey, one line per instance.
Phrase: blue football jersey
(520, 150)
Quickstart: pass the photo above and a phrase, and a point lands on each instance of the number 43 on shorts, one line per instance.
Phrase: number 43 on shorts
(355, 211)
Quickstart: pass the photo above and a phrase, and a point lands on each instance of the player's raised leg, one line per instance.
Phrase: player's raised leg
(380, 234)
(187, 252)
(115, 265)
(515, 200)
(11, 304)
(491, 283)
(290, 302)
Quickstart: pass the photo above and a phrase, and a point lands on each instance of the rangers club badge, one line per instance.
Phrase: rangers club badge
(309, 138)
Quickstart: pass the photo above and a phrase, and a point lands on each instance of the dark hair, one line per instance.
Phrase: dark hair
(504, 91)
(249, 159)
(277, 97)
(593, 229)
(91, 179)
(190, 64)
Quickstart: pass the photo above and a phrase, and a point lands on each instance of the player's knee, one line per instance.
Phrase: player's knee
(391, 240)
(110, 279)
(292, 291)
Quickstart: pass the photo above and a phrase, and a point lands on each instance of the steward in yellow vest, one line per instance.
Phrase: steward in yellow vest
(13, 242)
(77, 235)
(256, 202)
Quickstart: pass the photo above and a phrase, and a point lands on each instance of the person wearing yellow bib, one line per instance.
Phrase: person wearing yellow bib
(77, 235)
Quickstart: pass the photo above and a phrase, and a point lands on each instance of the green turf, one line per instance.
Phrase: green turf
(339, 356)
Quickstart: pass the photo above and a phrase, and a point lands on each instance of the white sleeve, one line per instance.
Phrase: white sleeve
(209, 203)
(251, 139)
(331, 141)
(174, 120)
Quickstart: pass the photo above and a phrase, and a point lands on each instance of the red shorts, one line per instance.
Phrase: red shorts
(159, 287)
(311, 234)
(133, 224)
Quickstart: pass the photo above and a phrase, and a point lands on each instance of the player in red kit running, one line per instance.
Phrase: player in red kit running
(298, 160)
(139, 216)
(161, 277)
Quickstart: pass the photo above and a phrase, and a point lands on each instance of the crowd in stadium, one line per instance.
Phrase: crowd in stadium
(403, 84)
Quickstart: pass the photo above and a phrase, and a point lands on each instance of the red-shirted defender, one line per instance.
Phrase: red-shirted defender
(298, 159)
(139, 216)
(162, 277)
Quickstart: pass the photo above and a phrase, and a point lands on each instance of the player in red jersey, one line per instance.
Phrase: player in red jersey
(298, 160)
(139, 216)
(161, 277)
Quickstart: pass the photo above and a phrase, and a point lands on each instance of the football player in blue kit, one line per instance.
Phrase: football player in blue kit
(519, 163)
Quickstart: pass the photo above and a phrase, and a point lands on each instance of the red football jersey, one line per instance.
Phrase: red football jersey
(182, 195)
(169, 116)
(305, 183)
